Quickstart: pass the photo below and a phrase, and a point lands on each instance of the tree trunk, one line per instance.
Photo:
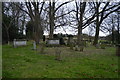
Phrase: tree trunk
(79, 34)
(8, 37)
(113, 37)
(51, 18)
(38, 32)
(118, 21)
(97, 26)
(96, 34)
(80, 22)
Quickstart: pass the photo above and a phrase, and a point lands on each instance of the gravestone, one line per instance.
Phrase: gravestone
(52, 41)
(58, 54)
(41, 48)
(79, 48)
(70, 39)
(62, 41)
(76, 48)
(71, 45)
(34, 45)
(97, 46)
(19, 42)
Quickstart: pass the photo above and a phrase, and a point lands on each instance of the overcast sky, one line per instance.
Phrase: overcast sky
(72, 31)
(69, 30)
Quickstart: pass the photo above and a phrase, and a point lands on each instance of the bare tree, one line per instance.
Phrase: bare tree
(80, 20)
(111, 25)
(11, 11)
(106, 9)
(34, 10)
(118, 26)
(83, 20)
(53, 17)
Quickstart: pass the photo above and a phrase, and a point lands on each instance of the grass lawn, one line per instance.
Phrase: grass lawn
(22, 62)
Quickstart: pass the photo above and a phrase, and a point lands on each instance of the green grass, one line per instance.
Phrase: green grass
(22, 62)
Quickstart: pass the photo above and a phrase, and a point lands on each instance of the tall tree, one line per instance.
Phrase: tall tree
(111, 25)
(53, 15)
(106, 8)
(118, 26)
(80, 20)
(34, 10)
(11, 14)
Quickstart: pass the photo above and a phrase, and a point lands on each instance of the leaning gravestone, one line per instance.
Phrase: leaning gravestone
(19, 42)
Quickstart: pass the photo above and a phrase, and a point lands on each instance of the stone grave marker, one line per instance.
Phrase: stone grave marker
(19, 42)
(34, 45)
(58, 54)
(52, 41)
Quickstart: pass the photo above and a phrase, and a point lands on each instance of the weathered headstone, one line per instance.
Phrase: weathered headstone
(58, 54)
(34, 45)
(70, 40)
(19, 42)
(71, 46)
(53, 41)
(62, 41)
(41, 48)
(76, 48)
(79, 48)
(97, 46)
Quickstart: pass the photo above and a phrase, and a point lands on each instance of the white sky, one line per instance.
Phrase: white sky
(70, 31)
(60, 30)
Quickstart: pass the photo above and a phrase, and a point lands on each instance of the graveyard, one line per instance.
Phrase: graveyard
(23, 62)
(59, 39)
